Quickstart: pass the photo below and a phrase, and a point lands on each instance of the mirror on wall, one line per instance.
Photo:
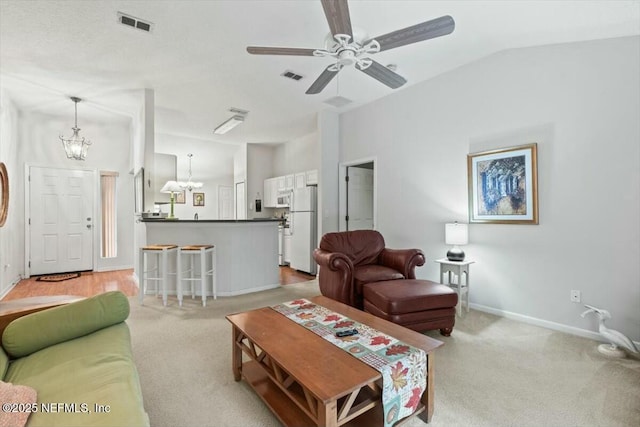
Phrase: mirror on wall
(138, 191)
(4, 194)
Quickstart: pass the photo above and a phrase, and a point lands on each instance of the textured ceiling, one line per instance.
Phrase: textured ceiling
(196, 62)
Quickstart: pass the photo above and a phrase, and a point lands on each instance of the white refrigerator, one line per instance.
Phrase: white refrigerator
(303, 228)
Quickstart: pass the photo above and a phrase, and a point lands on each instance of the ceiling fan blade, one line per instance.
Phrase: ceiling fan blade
(384, 75)
(337, 13)
(427, 30)
(295, 51)
(322, 81)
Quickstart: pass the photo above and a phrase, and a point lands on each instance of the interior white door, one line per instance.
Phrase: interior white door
(225, 202)
(360, 198)
(61, 220)
(241, 201)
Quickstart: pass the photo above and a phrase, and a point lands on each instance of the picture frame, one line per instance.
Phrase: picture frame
(181, 197)
(503, 185)
(4, 194)
(198, 199)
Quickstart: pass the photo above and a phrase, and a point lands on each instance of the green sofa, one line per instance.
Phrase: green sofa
(78, 359)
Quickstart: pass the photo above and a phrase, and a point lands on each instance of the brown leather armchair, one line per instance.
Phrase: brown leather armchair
(350, 259)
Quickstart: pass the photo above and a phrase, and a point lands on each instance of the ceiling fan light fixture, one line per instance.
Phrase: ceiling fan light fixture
(229, 124)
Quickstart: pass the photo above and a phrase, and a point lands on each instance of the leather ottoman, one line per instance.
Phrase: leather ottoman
(415, 304)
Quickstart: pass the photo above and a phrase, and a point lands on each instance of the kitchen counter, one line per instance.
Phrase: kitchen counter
(246, 250)
(173, 221)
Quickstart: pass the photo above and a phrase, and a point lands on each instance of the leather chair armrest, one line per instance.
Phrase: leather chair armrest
(335, 277)
(403, 260)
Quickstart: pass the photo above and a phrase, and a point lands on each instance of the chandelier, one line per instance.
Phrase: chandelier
(76, 147)
(190, 185)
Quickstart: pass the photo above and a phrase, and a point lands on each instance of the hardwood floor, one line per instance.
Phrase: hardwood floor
(289, 276)
(93, 283)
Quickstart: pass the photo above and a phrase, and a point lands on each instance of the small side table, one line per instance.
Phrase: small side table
(457, 268)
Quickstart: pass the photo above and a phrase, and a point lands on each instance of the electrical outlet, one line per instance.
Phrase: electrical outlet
(575, 296)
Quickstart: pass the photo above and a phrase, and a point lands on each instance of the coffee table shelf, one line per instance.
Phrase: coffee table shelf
(319, 384)
(292, 416)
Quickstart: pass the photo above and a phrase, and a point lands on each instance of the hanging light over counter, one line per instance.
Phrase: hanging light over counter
(190, 185)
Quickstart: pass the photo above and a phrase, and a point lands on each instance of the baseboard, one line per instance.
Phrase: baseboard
(173, 292)
(539, 322)
(113, 268)
(247, 291)
(11, 286)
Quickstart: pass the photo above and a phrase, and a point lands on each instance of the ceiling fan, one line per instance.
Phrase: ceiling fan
(349, 47)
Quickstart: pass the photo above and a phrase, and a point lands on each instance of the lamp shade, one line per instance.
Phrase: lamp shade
(456, 234)
(171, 187)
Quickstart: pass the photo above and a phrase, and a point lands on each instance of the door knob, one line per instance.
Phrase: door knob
(88, 225)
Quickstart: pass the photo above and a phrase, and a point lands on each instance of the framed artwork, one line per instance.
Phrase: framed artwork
(198, 199)
(181, 197)
(4, 194)
(503, 185)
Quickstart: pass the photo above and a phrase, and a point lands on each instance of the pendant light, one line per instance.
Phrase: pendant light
(190, 185)
(76, 147)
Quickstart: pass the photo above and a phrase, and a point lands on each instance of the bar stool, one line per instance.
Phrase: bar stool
(161, 268)
(204, 252)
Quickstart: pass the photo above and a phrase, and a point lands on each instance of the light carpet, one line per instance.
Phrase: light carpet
(492, 371)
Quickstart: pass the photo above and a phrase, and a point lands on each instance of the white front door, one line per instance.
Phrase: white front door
(359, 198)
(225, 202)
(61, 220)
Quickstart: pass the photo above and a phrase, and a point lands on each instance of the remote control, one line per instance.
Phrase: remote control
(347, 333)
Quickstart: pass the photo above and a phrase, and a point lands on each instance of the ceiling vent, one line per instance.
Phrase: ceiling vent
(134, 22)
(235, 110)
(338, 101)
(291, 75)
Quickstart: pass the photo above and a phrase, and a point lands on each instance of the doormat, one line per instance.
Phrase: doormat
(57, 277)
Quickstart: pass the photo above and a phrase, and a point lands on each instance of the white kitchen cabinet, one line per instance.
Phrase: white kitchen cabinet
(288, 182)
(281, 183)
(312, 177)
(270, 192)
(300, 180)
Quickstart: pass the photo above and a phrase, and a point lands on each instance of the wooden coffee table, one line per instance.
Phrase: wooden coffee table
(305, 380)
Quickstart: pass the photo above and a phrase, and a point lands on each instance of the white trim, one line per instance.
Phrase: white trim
(342, 190)
(114, 268)
(539, 322)
(248, 291)
(10, 287)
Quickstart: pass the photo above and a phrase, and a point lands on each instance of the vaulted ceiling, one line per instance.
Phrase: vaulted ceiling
(195, 56)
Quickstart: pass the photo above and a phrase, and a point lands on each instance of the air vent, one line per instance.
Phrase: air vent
(338, 101)
(235, 110)
(134, 22)
(291, 75)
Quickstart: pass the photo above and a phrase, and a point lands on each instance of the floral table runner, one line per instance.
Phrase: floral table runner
(402, 366)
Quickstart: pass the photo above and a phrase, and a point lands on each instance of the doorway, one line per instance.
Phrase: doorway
(59, 220)
(357, 204)
(241, 201)
(225, 202)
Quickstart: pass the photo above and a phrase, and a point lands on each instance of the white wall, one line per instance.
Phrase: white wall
(110, 150)
(12, 233)
(260, 167)
(580, 102)
(298, 155)
(212, 164)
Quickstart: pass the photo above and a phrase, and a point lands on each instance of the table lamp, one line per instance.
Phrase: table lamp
(171, 187)
(456, 234)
